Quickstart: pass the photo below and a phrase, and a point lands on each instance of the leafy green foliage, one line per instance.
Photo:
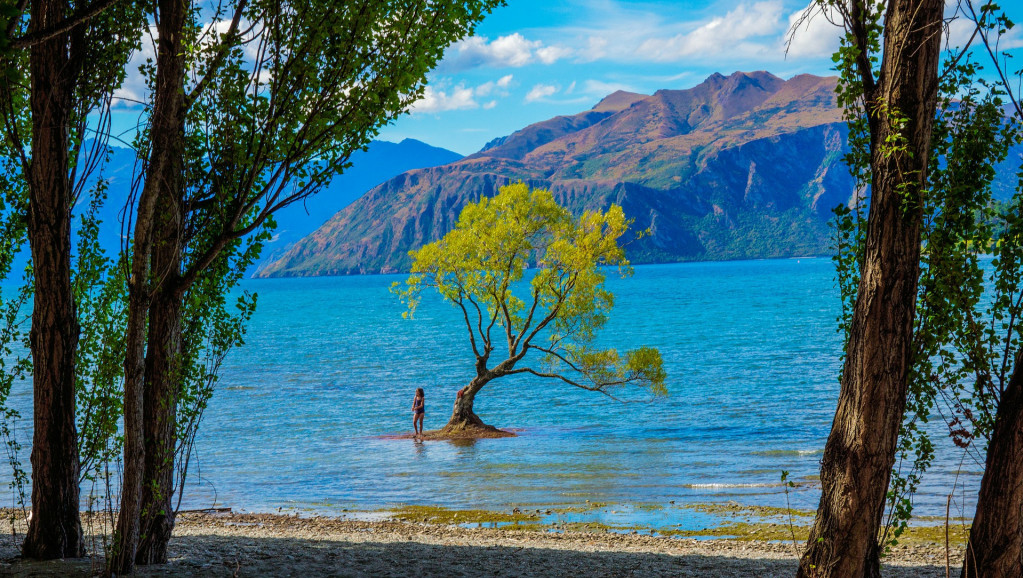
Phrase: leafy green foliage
(13, 320)
(101, 301)
(481, 265)
(214, 322)
(279, 109)
(13, 300)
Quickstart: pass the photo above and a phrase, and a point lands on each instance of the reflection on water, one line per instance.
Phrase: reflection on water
(467, 447)
(420, 449)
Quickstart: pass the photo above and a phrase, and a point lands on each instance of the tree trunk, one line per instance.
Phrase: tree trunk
(162, 380)
(462, 416)
(995, 547)
(163, 180)
(162, 372)
(55, 530)
(860, 451)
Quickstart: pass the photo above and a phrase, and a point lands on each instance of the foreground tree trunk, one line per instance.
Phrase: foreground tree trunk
(55, 530)
(860, 451)
(995, 547)
(161, 385)
(163, 178)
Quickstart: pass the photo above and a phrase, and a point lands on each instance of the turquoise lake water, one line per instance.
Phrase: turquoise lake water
(330, 366)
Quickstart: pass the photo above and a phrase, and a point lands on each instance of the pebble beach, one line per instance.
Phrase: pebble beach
(241, 544)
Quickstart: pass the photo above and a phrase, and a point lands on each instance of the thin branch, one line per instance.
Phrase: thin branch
(599, 388)
(67, 25)
(994, 60)
(12, 24)
(479, 321)
(468, 325)
(550, 316)
(227, 42)
(856, 20)
(558, 355)
(529, 319)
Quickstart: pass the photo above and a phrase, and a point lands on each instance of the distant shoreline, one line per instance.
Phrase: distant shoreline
(254, 276)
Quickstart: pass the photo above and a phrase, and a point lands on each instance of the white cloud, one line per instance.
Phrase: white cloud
(512, 51)
(602, 89)
(1014, 39)
(540, 92)
(726, 32)
(434, 100)
(133, 90)
(813, 33)
(441, 96)
(498, 86)
(552, 54)
(595, 49)
(575, 93)
(744, 33)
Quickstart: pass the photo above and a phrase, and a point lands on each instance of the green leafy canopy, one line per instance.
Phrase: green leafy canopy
(481, 267)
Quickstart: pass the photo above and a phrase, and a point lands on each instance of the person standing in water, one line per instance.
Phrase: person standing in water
(418, 411)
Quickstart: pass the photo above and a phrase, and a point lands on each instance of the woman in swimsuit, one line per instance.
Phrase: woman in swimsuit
(418, 411)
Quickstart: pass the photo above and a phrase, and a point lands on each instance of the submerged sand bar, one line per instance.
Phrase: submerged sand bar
(224, 544)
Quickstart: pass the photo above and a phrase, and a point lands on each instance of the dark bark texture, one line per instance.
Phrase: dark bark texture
(163, 180)
(162, 378)
(462, 416)
(860, 450)
(995, 547)
(55, 530)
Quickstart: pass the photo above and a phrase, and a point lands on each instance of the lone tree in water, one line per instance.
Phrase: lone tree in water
(480, 266)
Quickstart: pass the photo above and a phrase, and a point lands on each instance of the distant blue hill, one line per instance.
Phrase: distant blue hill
(379, 163)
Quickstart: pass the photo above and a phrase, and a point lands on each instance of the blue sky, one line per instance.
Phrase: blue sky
(536, 59)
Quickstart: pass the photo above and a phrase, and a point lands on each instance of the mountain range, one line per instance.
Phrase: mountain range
(380, 161)
(738, 167)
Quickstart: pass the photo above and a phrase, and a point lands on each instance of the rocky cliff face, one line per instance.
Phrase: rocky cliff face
(744, 166)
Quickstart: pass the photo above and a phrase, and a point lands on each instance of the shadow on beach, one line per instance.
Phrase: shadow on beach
(217, 555)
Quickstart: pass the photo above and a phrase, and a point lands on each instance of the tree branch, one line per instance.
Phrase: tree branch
(225, 46)
(994, 60)
(468, 325)
(856, 19)
(479, 322)
(599, 388)
(529, 319)
(558, 355)
(67, 25)
(550, 316)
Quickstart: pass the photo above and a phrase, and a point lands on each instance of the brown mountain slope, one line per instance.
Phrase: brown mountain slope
(744, 166)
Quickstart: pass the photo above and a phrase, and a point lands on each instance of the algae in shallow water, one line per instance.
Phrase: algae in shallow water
(734, 509)
(748, 530)
(439, 515)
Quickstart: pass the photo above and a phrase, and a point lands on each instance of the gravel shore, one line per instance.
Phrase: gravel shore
(279, 545)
